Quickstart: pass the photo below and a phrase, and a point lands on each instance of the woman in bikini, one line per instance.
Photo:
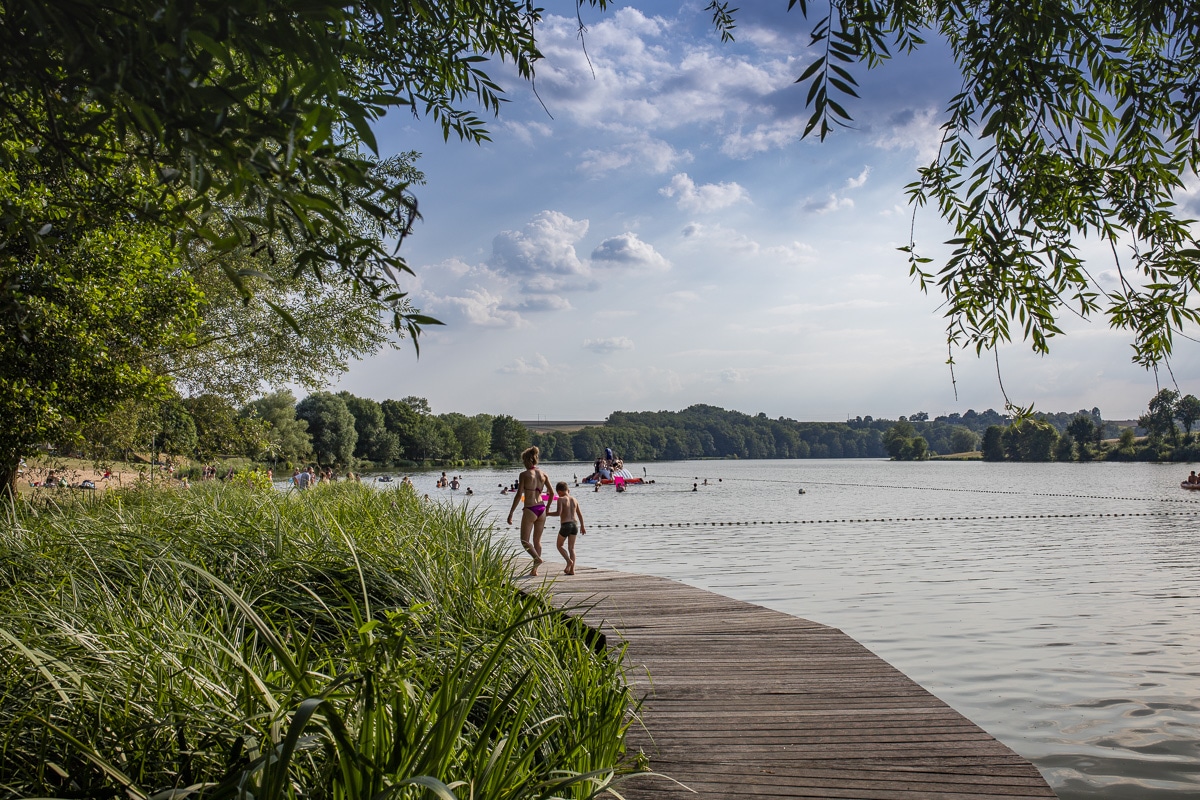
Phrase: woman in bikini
(530, 485)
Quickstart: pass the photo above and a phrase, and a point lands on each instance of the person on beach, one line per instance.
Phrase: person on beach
(570, 522)
(530, 485)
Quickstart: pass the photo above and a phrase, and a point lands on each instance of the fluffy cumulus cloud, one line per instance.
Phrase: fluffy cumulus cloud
(477, 307)
(609, 344)
(648, 154)
(913, 129)
(635, 77)
(627, 250)
(705, 197)
(538, 365)
(544, 248)
(833, 202)
(541, 302)
(764, 136)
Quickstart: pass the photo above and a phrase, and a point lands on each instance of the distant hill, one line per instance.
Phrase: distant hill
(560, 426)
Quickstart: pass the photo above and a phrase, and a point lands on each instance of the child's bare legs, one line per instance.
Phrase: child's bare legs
(567, 552)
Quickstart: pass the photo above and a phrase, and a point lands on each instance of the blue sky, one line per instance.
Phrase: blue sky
(659, 235)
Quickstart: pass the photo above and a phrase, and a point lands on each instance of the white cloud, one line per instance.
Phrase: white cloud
(538, 365)
(855, 183)
(609, 344)
(720, 236)
(763, 137)
(527, 131)
(704, 198)
(627, 250)
(844, 305)
(831, 203)
(635, 77)
(480, 307)
(652, 155)
(544, 248)
(542, 302)
(913, 129)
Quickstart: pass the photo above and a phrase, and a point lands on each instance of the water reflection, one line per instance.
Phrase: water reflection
(1069, 635)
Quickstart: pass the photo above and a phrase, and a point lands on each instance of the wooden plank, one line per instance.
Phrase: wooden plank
(744, 702)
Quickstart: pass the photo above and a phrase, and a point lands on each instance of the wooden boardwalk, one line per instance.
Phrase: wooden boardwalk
(742, 701)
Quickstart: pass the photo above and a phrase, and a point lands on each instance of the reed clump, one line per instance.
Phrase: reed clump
(338, 643)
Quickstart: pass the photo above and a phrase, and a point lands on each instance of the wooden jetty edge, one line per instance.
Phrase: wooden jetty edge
(742, 701)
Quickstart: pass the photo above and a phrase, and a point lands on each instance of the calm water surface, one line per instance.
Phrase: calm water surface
(1074, 639)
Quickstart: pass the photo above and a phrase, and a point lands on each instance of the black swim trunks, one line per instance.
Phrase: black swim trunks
(569, 529)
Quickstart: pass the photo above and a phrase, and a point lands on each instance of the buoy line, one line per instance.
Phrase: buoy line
(852, 521)
(950, 489)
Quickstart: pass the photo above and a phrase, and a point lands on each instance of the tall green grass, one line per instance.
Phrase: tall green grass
(336, 643)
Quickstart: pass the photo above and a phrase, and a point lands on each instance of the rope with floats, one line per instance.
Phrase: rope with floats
(948, 489)
(861, 520)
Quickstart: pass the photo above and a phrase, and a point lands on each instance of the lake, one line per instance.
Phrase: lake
(1055, 605)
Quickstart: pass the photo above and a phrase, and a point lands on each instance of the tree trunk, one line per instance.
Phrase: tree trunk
(8, 477)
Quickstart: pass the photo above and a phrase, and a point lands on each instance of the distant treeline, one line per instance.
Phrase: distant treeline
(704, 431)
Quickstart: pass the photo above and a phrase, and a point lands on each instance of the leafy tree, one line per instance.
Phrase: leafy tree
(83, 305)
(287, 437)
(331, 426)
(1083, 430)
(1159, 420)
(220, 431)
(963, 440)
(1065, 449)
(177, 430)
(993, 443)
(1073, 121)
(1030, 439)
(509, 437)
(1187, 411)
(241, 347)
(253, 117)
(474, 434)
(403, 420)
(120, 431)
(897, 439)
(375, 442)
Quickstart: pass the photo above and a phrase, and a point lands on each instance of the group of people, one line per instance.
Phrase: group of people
(533, 491)
(311, 476)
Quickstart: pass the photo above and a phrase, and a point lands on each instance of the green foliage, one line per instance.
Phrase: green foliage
(1187, 411)
(176, 430)
(903, 443)
(509, 437)
(963, 440)
(331, 426)
(255, 479)
(1030, 439)
(253, 118)
(340, 643)
(286, 437)
(220, 431)
(1159, 419)
(1073, 121)
(85, 301)
(375, 442)
(993, 443)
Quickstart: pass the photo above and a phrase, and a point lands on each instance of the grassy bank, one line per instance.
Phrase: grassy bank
(340, 643)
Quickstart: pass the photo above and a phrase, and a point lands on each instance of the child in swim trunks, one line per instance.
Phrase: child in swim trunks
(530, 484)
(570, 519)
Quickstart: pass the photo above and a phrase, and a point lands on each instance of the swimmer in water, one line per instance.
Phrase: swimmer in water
(530, 484)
